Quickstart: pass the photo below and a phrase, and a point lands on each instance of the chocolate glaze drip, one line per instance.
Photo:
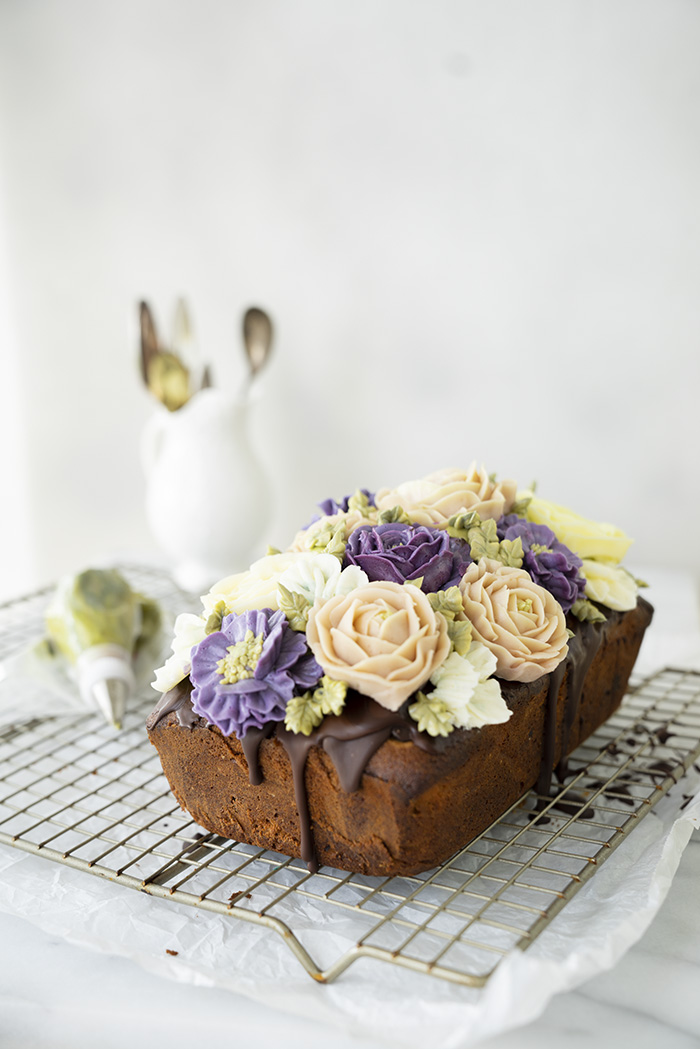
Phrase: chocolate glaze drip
(177, 699)
(251, 746)
(350, 739)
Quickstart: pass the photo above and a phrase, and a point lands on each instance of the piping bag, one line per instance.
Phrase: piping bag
(97, 622)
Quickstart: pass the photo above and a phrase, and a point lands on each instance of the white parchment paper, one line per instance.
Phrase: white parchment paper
(372, 999)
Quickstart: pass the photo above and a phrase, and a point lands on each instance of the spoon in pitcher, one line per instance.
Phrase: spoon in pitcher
(257, 341)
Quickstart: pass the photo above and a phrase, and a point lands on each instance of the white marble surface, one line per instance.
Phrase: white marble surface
(55, 996)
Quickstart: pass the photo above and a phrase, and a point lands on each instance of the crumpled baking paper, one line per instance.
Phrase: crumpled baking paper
(371, 999)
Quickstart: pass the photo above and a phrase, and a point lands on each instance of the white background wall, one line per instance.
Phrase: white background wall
(477, 227)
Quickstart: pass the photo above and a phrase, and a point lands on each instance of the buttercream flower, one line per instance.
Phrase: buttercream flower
(332, 506)
(588, 539)
(465, 694)
(383, 639)
(320, 576)
(610, 585)
(521, 622)
(546, 560)
(245, 674)
(256, 588)
(399, 552)
(439, 496)
(189, 631)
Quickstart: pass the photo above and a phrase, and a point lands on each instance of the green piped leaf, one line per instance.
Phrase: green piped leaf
(397, 514)
(459, 524)
(447, 602)
(459, 632)
(304, 713)
(216, 616)
(510, 552)
(295, 606)
(587, 612)
(330, 538)
(483, 540)
(271, 550)
(432, 715)
(359, 502)
(330, 695)
(415, 582)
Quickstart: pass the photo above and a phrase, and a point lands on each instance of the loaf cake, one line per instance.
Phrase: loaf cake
(418, 658)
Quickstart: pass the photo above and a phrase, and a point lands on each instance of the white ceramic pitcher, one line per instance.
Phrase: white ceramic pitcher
(207, 497)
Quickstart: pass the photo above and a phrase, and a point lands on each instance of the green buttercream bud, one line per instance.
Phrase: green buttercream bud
(215, 619)
(587, 612)
(302, 714)
(432, 715)
(510, 552)
(447, 602)
(272, 550)
(459, 632)
(295, 606)
(330, 695)
(397, 515)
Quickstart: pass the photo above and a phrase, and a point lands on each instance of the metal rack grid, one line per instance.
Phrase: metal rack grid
(76, 792)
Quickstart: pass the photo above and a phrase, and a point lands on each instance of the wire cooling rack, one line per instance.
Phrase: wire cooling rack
(79, 793)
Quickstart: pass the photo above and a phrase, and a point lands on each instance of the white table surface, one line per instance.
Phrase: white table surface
(55, 995)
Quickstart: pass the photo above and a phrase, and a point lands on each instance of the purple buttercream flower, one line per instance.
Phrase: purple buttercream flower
(245, 674)
(331, 506)
(548, 562)
(398, 552)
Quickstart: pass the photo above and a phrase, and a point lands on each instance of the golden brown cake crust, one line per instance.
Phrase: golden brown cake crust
(419, 801)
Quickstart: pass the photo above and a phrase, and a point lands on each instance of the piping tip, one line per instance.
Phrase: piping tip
(110, 696)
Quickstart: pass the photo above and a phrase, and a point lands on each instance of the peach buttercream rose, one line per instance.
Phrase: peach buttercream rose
(520, 622)
(432, 500)
(383, 639)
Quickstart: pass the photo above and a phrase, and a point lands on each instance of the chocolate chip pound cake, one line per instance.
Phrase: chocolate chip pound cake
(419, 657)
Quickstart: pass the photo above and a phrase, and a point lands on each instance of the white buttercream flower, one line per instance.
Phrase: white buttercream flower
(318, 577)
(470, 694)
(189, 631)
(609, 585)
(256, 588)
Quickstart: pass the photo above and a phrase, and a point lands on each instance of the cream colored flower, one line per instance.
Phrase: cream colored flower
(383, 639)
(609, 585)
(520, 622)
(256, 588)
(588, 539)
(471, 695)
(317, 577)
(189, 631)
(434, 499)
